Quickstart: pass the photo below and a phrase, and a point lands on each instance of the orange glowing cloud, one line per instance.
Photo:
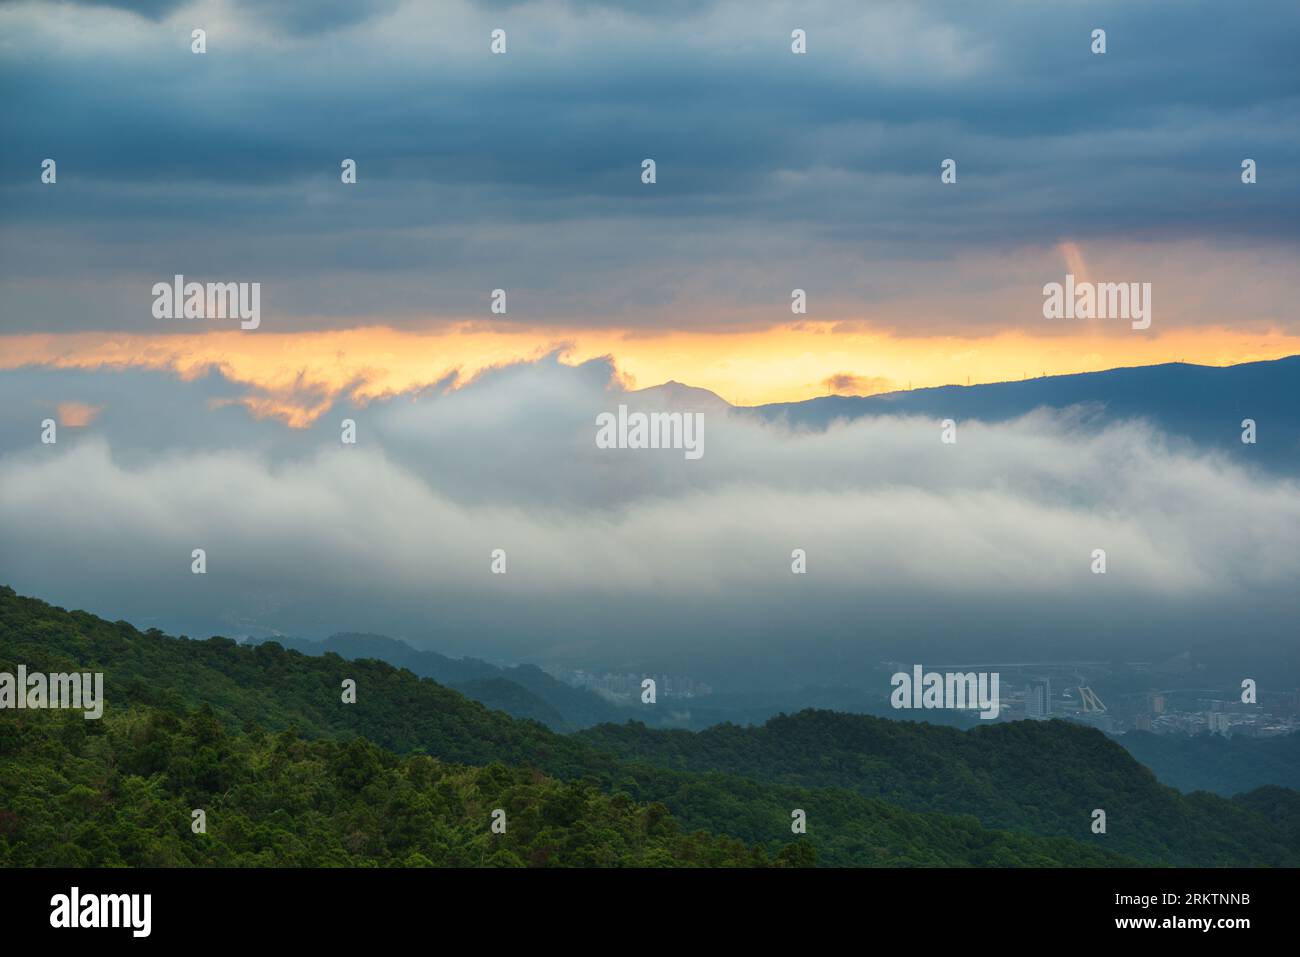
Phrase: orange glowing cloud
(296, 376)
(78, 414)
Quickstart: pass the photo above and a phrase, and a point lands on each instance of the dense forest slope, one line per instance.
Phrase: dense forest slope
(259, 738)
(1030, 776)
(122, 791)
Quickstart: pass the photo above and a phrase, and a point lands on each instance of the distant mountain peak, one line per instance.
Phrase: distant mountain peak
(677, 395)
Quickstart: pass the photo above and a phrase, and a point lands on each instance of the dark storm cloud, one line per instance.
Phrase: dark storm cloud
(528, 164)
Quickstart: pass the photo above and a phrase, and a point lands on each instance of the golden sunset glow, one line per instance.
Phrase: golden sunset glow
(295, 376)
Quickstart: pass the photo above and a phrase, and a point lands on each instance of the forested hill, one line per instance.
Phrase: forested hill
(1023, 775)
(524, 691)
(261, 735)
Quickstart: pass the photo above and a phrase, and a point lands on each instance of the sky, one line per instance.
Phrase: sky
(522, 171)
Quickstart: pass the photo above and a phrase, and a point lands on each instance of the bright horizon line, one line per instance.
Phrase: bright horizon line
(297, 376)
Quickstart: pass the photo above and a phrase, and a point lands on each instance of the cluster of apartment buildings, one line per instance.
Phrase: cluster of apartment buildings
(1173, 711)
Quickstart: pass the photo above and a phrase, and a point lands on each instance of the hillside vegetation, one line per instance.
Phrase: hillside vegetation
(260, 739)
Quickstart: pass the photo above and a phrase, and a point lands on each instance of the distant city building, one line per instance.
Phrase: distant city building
(1038, 703)
(1218, 722)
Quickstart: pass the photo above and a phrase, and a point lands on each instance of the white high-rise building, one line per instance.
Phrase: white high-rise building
(1038, 703)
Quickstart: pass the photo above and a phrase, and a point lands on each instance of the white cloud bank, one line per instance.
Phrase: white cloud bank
(615, 546)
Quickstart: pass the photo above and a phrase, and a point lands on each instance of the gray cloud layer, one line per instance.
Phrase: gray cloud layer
(522, 170)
